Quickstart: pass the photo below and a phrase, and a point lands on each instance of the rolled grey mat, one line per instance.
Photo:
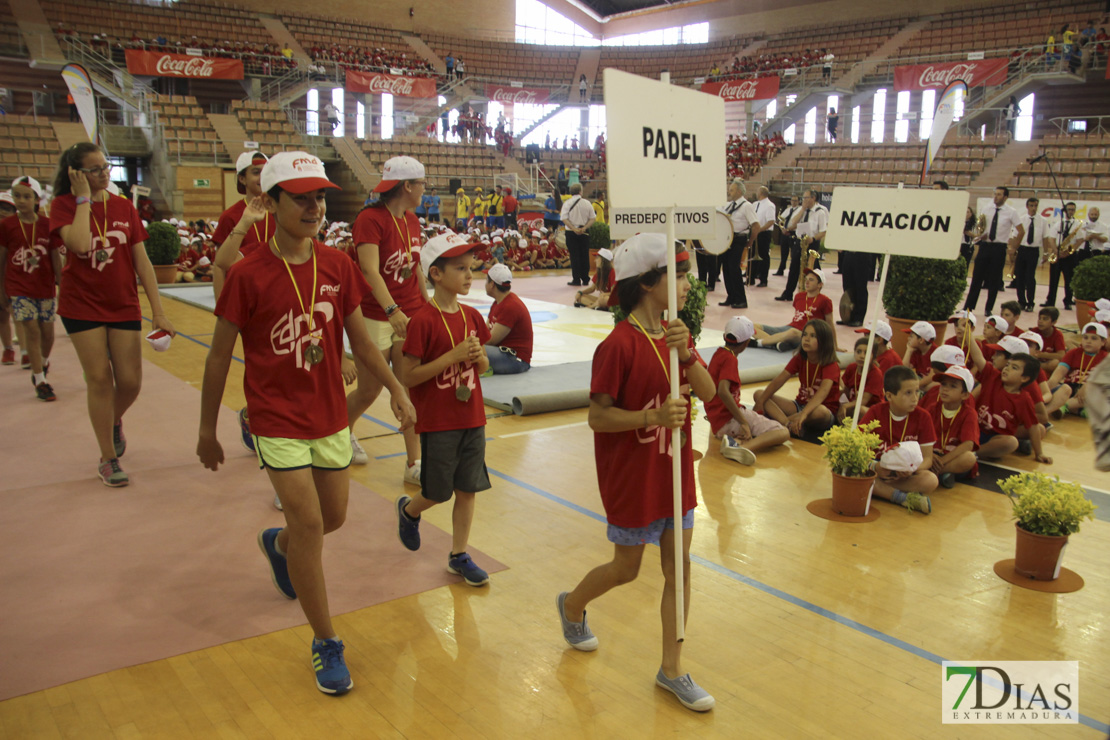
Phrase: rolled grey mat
(556, 401)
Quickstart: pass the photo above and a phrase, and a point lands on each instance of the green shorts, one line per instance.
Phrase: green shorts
(327, 453)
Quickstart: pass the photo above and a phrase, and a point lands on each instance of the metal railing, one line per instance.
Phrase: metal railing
(1063, 123)
(205, 151)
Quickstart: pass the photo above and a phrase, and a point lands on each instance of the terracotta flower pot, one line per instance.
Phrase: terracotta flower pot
(850, 496)
(1084, 311)
(165, 274)
(901, 336)
(1038, 556)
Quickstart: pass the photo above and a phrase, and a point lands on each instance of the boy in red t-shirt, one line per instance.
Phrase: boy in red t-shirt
(808, 305)
(850, 392)
(443, 359)
(919, 350)
(1053, 339)
(1069, 381)
(964, 326)
(509, 347)
(885, 356)
(29, 270)
(901, 420)
(943, 357)
(956, 426)
(291, 303)
(1011, 311)
(742, 431)
(1006, 416)
(631, 412)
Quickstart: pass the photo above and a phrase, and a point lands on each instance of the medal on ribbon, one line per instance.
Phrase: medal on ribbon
(313, 354)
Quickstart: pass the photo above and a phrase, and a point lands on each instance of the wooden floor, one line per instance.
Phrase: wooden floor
(799, 627)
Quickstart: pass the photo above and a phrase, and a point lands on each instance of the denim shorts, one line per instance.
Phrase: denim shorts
(649, 535)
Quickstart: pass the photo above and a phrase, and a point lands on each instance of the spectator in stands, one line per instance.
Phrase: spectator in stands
(1010, 114)
(460, 68)
(578, 215)
(552, 208)
(332, 116)
(449, 62)
(286, 50)
(561, 179)
(582, 87)
(510, 204)
(832, 120)
(431, 204)
(547, 142)
(826, 69)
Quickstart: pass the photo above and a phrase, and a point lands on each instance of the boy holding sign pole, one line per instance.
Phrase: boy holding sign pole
(631, 411)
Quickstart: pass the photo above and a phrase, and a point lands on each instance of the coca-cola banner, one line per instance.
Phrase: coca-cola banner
(372, 82)
(157, 64)
(509, 94)
(764, 88)
(980, 73)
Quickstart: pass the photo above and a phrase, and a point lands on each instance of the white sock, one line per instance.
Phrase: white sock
(38, 378)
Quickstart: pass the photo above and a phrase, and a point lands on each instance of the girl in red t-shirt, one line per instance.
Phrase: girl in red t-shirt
(99, 303)
(816, 368)
(603, 284)
(630, 413)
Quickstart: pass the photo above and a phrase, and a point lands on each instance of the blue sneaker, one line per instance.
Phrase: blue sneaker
(245, 430)
(332, 676)
(577, 634)
(462, 565)
(687, 690)
(408, 529)
(279, 568)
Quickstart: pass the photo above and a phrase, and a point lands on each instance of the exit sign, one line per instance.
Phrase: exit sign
(202, 183)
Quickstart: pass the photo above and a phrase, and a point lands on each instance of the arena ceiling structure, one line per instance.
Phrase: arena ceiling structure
(606, 8)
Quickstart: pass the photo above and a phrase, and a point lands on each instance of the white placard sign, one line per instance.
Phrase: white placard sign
(913, 223)
(689, 223)
(665, 147)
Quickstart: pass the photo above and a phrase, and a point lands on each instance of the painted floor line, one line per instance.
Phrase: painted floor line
(544, 429)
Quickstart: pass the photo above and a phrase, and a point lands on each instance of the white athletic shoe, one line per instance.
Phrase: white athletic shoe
(358, 455)
(412, 474)
(731, 449)
(277, 503)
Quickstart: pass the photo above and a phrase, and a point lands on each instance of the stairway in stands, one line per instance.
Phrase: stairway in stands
(231, 133)
(851, 78)
(352, 156)
(1000, 171)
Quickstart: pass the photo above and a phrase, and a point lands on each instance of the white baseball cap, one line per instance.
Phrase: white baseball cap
(818, 272)
(543, 242)
(1096, 328)
(295, 172)
(29, 182)
(739, 329)
(964, 315)
(536, 233)
(882, 330)
(923, 329)
(999, 323)
(1032, 336)
(960, 372)
(1102, 304)
(500, 274)
(159, 340)
(6, 197)
(905, 457)
(1102, 317)
(948, 354)
(445, 245)
(1012, 345)
(641, 253)
(245, 160)
(397, 169)
(606, 254)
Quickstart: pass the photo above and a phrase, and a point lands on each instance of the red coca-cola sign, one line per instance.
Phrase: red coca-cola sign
(979, 73)
(763, 88)
(157, 64)
(380, 84)
(510, 94)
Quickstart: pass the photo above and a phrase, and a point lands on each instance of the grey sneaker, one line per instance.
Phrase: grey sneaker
(111, 474)
(577, 634)
(731, 449)
(689, 693)
(119, 442)
(358, 455)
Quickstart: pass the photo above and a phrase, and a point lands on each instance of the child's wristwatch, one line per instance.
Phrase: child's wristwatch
(389, 311)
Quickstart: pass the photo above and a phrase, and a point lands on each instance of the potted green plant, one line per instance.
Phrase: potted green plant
(922, 289)
(598, 234)
(850, 451)
(1047, 510)
(1090, 282)
(163, 246)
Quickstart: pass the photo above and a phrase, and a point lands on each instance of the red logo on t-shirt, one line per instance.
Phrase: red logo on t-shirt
(290, 334)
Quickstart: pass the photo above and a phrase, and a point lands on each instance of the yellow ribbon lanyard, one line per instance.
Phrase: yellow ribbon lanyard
(450, 336)
(655, 349)
(101, 229)
(31, 244)
(265, 229)
(408, 246)
(905, 423)
(951, 425)
(307, 311)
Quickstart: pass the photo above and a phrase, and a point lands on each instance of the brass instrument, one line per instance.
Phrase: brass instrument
(1067, 249)
(980, 226)
(811, 260)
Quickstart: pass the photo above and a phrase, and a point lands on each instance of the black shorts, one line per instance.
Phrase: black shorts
(454, 460)
(73, 326)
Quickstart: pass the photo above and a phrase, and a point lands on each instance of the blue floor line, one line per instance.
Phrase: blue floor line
(777, 593)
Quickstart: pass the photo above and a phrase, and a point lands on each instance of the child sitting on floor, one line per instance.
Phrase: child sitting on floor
(919, 349)
(885, 356)
(1006, 413)
(604, 276)
(850, 391)
(1011, 311)
(1053, 345)
(812, 304)
(956, 427)
(1069, 381)
(815, 365)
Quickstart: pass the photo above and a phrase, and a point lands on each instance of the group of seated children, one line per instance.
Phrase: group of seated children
(520, 252)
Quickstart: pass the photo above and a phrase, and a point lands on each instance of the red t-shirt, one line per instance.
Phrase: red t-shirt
(951, 433)
(806, 308)
(634, 467)
(377, 226)
(999, 411)
(723, 366)
(1016, 330)
(93, 290)
(810, 376)
(1053, 340)
(609, 284)
(287, 397)
(512, 312)
(888, 360)
(874, 384)
(552, 251)
(30, 272)
(919, 360)
(437, 407)
(257, 235)
(964, 347)
(1080, 364)
(916, 427)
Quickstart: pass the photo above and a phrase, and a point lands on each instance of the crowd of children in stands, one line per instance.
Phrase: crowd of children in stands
(745, 156)
(764, 64)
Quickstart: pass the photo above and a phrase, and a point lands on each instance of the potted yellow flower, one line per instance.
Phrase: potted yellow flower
(1047, 510)
(850, 451)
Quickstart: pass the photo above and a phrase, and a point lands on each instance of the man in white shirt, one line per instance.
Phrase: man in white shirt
(787, 239)
(1028, 254)
(578, 215)
(1063, 239)
(1002, 222)
(744, 220)
(331, 114)
(808, 224)
(1096, 234)
(758, 269)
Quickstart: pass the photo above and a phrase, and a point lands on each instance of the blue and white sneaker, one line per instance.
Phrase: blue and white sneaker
(463, 565)
(688, 692)
(245, 430)
(408, 529)
(731, 449)
(332, 676)
(279, 568)
(577, 634)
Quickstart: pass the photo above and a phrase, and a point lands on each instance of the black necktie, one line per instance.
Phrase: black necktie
(732, 207)
(1029, 239)
(805, 217)
(994, 225)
